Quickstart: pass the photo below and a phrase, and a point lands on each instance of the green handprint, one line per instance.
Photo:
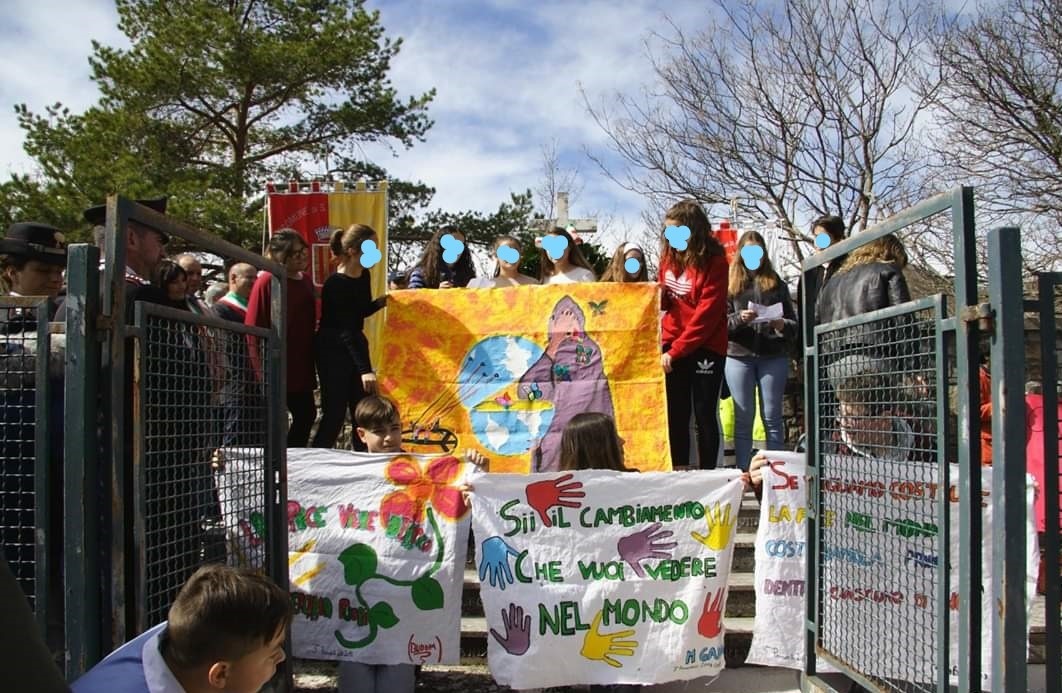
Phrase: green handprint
(602, 646)
(720, 527)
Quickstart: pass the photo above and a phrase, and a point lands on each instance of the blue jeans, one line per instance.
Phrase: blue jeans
(743, 375)
(355, 677)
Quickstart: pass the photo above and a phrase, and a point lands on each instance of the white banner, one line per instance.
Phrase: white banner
(240, 491)
(376, 553)
(880, 565)
(605, 577)
(780, 573)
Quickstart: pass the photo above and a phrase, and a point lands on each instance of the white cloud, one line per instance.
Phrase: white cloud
(44, 50)
(507, 78)
(506, 73)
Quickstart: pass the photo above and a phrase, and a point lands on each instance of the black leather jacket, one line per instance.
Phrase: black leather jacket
(860, 290)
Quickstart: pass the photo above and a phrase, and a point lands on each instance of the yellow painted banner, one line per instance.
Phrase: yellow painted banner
(502, 371)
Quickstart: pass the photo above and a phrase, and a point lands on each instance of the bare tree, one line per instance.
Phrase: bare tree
(802, 108)
(999, 105)
(555, 179)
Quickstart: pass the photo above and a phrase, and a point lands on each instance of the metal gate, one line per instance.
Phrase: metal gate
(146, 416)
(892, 401)
(30, 455)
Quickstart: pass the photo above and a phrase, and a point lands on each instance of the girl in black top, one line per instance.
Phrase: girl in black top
(757, 351)
(341, 348)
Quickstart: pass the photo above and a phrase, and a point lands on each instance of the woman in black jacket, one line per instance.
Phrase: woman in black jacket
(341, 348)
(870, 279)
(757, 351)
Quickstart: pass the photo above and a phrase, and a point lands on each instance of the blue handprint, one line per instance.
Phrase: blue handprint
(495, 560)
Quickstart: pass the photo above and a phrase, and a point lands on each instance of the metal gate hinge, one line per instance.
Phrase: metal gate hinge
(982, 314)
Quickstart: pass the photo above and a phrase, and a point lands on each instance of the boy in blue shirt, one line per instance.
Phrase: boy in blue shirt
(225, 632)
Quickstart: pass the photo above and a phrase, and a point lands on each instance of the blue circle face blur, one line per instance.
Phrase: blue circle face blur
(822, 240)
(503, 420)
(632, 265)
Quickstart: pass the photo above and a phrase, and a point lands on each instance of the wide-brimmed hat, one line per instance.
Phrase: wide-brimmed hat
(97, 215)
(853, 366)
(35, 241)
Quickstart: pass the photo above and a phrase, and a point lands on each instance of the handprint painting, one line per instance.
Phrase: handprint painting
(502, 371)
(375, 546)
(609, 577)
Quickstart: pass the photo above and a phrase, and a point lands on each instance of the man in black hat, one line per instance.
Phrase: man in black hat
(32, 260)
(173, 487)
(144, 250)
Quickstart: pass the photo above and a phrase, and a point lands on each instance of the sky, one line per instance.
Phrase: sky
(508, 76)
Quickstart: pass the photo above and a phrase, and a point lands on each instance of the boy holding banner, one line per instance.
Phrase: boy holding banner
(379, 426)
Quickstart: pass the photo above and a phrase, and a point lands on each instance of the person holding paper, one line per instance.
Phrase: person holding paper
(761, 326)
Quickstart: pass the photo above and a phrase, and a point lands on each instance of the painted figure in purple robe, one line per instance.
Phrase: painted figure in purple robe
(571, 375)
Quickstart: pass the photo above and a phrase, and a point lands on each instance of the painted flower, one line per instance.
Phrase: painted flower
(423, 486)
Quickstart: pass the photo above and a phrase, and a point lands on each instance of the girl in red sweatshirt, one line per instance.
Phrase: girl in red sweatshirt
(693, 283)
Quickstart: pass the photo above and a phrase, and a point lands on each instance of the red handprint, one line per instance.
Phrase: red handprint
(543, 495)
(711, 622)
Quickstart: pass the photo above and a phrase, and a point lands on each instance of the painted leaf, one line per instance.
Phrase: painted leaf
(427, 593)
(383, 615)
(359, 563)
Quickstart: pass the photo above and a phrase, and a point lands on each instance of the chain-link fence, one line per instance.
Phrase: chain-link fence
(881, 538)
(24, 492)
(31, 455)
(891, 390)
(199, 393)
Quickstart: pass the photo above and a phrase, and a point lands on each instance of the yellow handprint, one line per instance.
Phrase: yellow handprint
(720, 526)
(602, 646)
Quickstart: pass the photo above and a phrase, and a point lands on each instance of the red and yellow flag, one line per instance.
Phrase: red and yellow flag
(315, 215)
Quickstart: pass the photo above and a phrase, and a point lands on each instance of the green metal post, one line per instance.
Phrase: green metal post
(943, 510)
(969, 426)
(276, 476)
(811, 420)
(42, 473)
(1009, 512)
(114, 374)
(81, 551)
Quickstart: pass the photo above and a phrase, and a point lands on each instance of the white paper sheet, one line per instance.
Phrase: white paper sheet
(765, 313)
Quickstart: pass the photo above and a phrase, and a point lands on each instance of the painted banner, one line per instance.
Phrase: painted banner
(779, 576)
(316, 214)
(605, 577)
(376, 554)
(879, 567)
(504, 370)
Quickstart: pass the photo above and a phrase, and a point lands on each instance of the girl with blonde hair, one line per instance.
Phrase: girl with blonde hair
(617, 268)
(756, 355)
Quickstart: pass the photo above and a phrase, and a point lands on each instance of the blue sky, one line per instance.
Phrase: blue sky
(507, 73)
